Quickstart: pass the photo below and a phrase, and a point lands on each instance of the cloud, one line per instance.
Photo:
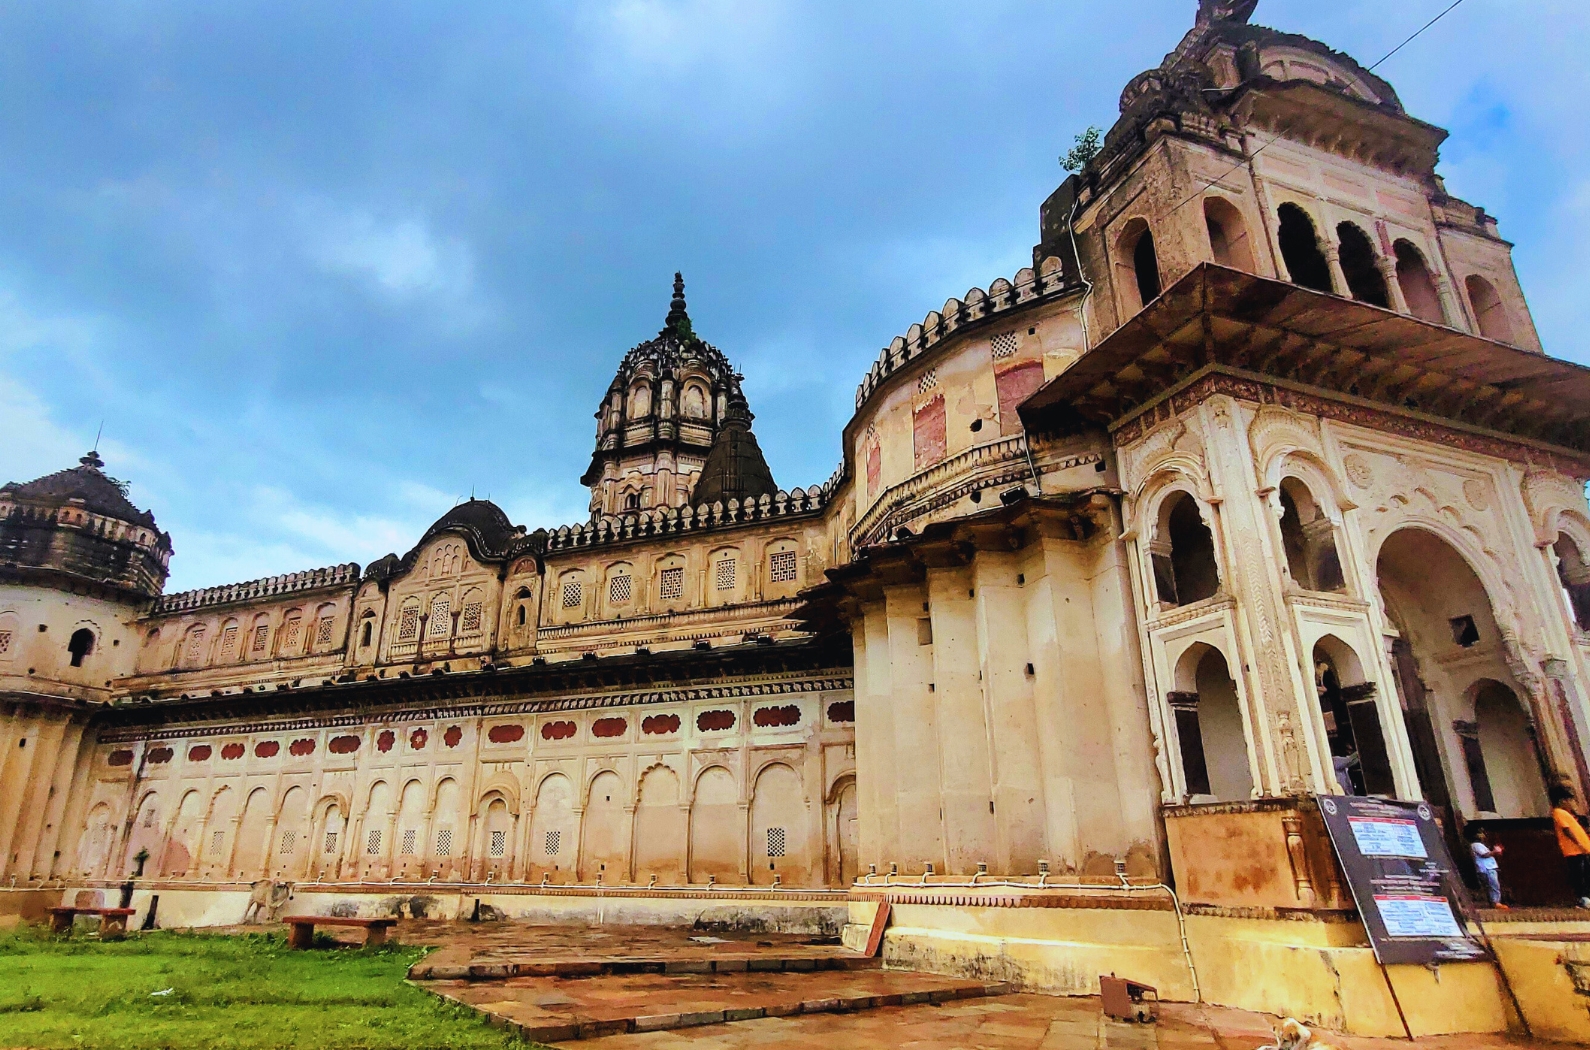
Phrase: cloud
(34, 443)
(401, 258)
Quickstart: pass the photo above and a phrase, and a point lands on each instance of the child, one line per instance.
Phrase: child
(1573, 842)
(1485, 856)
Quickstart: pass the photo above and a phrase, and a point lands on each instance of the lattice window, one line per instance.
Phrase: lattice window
(444, 842)
(5, 642)
(149, 817)
(571, 594)
(775, 842)
(499, 843)
(409, 835)
(781, 566)
(441, 618)
(217, 840)
(195, 643)
(469, 622)
(1002, 345)
(671, 584)
(724, 572)
(229, 642)
(331, 842)
(409, 623)
(618, 589)
(289, 842)
(372, 842)
(262, 637)
(554, 841)
(929, 380)
(323, 631)
(290, 634)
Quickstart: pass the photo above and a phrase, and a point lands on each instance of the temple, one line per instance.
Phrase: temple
(1256, 486)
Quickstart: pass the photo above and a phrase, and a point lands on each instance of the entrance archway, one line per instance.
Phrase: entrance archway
(1214, 749)
(1447, 644)
(1353, 731)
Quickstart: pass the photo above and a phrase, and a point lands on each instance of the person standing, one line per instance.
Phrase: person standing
(1485, 856)
(1573, 842)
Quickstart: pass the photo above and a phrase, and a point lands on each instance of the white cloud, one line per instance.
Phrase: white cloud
(402, 259)
(33, 443)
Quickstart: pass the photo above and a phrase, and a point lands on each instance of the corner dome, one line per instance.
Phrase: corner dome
(85, 485)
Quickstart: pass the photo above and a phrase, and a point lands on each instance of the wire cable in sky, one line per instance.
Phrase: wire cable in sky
(1412, 37)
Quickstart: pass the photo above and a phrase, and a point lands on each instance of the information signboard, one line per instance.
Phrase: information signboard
(1401, 877)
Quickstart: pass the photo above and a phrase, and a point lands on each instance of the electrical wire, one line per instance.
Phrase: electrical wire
(1413, 36)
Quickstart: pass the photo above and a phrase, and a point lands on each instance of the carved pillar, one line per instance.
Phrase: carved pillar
(1450, 310)
(1297, 856)
(1387, 265)
(1333, 259)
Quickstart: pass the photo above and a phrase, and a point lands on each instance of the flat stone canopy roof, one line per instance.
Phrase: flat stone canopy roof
(1225, 320)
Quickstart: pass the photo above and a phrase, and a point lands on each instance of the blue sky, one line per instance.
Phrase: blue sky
(322, 269)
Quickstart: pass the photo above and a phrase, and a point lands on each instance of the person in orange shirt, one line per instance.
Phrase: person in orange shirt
(1573, 842)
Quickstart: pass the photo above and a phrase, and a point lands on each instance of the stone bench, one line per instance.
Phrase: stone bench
(302, 928)
(112, 921)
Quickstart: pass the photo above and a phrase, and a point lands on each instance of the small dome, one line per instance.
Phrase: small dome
(86, 483)
(482, 522)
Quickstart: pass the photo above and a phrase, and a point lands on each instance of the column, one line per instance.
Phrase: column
(1387, 265)
(964, 760)
(918, 792)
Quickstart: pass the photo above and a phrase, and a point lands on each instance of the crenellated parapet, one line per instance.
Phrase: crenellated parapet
(265, 588)
(1048, 281)
(669, 521)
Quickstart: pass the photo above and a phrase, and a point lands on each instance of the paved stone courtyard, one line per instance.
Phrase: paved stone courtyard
(667, 988)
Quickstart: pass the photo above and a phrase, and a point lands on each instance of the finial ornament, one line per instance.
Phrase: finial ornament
(92, 461)
(678, 319)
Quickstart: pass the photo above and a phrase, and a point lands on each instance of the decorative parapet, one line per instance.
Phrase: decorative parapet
(1047, 282)
(668, 521)
(718, 616)
(252, 590)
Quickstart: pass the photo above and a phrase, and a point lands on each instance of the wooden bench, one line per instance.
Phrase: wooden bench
(302, 928)
(112, 921)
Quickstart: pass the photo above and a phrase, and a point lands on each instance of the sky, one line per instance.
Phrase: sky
(321, 270)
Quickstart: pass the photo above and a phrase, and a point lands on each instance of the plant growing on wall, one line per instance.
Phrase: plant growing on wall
(1086, 148)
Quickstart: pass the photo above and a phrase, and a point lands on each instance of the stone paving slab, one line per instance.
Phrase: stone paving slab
(553, 1009)
(496, 950)
(1016, 1022)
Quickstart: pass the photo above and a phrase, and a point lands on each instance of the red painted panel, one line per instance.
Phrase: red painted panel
(418, 738)
(505, 734)
(121, 757)
(927, 432)
(267, 749)
(787, 715)
(384, 742)
(609, 727)
(874, 467)
(842, 711)
(557, 730)
(660, 725)
(1015, 385)
(343, 745)
(453, 735)
(199, 753)
(709, 721)
(232, 751)
(159, 755)
(301, 747)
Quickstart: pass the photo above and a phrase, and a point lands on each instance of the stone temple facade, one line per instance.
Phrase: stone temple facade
(1259, 472)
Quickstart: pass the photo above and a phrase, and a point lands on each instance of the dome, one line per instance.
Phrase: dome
(483, 524)
(77, 526)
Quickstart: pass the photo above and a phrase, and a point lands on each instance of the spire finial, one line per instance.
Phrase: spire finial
(679, 320)
(92, 461)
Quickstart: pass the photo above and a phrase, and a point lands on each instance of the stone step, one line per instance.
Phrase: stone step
(563, 1009)
(495, 969)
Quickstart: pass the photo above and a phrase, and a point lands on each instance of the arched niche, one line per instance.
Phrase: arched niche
(1183, 552)
(717, 828)
(1489, 312)
(1349, 710)
(1228, 234)
(1418, 287)
(1364, 279)
(1501, 754)
(1308, 536)
(1138, 265)
(1300, 251)
(1209, 727)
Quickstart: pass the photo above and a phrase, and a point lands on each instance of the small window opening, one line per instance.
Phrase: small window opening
(1364, 279)
(1228, 234)
(1418, 288)
(1184, 554)
(1574, 576)
(1464, 632)
(364, 635)
(519, 616)
(1146, 266)
(1309, 539)
(632, 501)
(1489, 313)
(1305, 263)
(80, 645)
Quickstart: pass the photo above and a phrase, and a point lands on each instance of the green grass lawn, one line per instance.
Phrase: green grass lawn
(235, 992)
